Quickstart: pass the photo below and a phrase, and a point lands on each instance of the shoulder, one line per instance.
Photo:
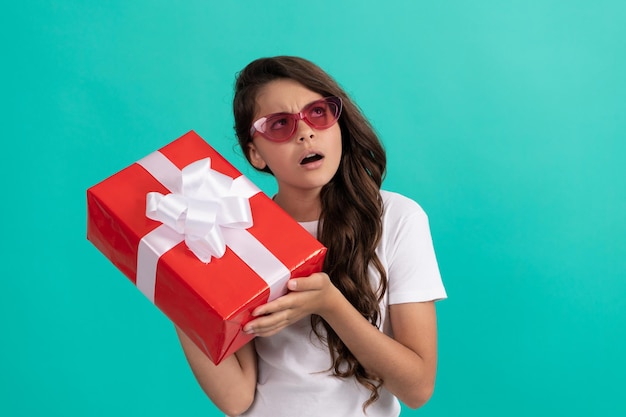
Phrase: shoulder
(407, 249)
(398, 206)
(403, 218)
(404, 221)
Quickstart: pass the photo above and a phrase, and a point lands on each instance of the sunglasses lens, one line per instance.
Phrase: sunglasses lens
(279, 127)
(322, 113)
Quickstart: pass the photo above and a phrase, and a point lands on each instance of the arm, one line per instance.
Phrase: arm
(407, 363)
(231, 384)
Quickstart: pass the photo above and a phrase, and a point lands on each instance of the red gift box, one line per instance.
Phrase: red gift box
(213, 248)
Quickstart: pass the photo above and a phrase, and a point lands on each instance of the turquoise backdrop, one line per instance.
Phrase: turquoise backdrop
(504, 119)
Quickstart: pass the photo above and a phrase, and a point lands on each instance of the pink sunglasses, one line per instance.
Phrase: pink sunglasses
(280, 127)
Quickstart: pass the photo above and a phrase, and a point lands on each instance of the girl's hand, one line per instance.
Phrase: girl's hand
(314, 294)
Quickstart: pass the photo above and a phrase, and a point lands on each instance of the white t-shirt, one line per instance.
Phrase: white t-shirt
(293, 376)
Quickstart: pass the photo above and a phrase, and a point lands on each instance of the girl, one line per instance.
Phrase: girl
(361, 335)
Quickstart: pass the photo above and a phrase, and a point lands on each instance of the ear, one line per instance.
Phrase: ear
(255, 157)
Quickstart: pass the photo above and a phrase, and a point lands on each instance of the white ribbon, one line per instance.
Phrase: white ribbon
(209, 211)
(205, 205)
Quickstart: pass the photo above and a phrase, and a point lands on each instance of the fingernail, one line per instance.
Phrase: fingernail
(292, 285)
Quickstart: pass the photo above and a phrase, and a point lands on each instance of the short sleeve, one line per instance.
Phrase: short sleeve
(412, 272)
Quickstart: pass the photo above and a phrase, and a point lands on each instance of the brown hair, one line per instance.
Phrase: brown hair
(350, 223)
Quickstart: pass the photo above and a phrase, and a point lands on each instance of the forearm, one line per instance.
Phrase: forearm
(231, 384)
(407, 363)
(405, 373)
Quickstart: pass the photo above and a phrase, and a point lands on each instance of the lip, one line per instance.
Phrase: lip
(311, 164)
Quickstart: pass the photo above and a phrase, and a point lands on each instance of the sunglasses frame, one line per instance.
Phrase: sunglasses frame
(259, 125)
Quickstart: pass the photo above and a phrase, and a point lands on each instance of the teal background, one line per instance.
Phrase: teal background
(504, 119)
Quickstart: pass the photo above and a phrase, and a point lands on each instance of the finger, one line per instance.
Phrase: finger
(266, 324)
(310, 283)
(266, 331)
(279, 304)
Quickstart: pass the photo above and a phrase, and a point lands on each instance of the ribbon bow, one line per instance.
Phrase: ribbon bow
(206, 203)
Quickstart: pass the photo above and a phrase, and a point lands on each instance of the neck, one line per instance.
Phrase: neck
(303, 207)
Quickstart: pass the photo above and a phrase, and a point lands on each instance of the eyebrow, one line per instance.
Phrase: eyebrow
(287, 112)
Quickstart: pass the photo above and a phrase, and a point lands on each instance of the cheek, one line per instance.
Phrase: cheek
(337, 141)
(275, 157)
(263, 154)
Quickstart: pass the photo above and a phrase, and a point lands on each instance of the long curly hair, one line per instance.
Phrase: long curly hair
(350, 224)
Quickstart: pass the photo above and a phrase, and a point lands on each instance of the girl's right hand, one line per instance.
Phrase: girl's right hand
(314, 294)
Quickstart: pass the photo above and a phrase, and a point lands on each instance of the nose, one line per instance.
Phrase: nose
(304, 131)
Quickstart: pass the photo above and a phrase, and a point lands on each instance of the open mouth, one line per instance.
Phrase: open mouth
(311, 158)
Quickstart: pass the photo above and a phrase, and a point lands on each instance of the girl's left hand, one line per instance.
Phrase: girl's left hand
(309, 295)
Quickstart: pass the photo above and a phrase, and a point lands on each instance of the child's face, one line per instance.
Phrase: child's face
(309, 159)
